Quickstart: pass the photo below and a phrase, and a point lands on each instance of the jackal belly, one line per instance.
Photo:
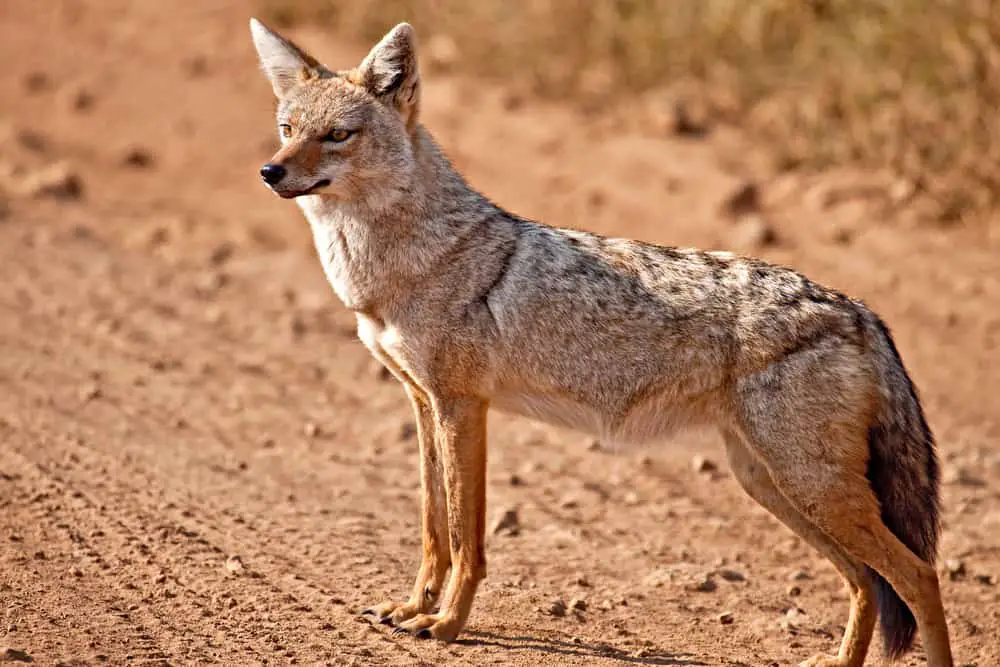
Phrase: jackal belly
(654, 419)
(553, 409)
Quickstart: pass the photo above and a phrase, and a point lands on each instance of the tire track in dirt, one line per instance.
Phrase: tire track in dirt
(79, 542)
(187, 559)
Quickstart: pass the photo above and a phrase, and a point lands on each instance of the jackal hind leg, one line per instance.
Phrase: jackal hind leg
(806, 421)
(756, 481)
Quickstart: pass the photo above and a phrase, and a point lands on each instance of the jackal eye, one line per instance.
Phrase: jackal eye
(338, 136)
(285, 130)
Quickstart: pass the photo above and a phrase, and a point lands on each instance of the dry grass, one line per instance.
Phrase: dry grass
(911, 86)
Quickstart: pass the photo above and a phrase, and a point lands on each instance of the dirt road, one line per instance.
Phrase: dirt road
(199, 463)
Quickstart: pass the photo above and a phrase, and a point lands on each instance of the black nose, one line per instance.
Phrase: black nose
(272, 173)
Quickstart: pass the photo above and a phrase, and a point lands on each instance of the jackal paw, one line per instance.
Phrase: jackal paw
(823, 661)
(430, 626)
(392, 613)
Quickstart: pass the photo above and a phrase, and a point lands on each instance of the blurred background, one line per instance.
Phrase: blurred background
(907, 85)
(199, 461)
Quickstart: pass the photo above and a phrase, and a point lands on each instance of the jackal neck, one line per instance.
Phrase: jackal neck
(378, 252)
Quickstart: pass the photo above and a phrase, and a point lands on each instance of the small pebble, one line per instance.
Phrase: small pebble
(15, 655)
(512, 100)
(508, 522)
(221, 253)
(57, 181)
(297, 325)
(744, 199)
(682, 122)
(700, 464)
(752, 234)
(33, 141)
(569, 502)
(704, 585)
(209, 282)
(37, 81)
(408, 431)
(954, 568)
(195, 67)
(234, 564)
(961, 476)
(81, 100)
(557, 608)
(137, 157)
(90, 392)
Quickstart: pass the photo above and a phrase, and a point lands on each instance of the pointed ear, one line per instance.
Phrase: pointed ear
(284, 63)
(389, 72)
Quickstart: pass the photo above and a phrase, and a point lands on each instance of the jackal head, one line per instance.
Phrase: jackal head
(346, 134)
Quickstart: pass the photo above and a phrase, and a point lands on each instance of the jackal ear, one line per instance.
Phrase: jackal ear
(284, 63)
(389, 71)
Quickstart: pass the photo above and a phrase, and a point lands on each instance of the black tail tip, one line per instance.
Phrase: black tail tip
(899, 627)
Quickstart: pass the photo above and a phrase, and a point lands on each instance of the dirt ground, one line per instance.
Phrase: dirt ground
(201, 464)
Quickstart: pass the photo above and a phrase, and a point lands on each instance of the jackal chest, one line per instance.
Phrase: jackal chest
(336, 261)
(356, 272)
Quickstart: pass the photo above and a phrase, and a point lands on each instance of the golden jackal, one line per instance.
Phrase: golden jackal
(470, 306)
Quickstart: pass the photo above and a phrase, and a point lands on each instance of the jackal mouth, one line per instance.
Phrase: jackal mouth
(292, 194)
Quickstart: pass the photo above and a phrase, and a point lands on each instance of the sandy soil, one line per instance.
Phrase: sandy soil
(201, 464)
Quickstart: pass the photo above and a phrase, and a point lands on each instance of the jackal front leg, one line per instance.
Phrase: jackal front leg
(461, 437)
(436, 555)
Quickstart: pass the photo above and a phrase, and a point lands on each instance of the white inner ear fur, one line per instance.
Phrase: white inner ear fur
(389, 60)
(280, 61)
